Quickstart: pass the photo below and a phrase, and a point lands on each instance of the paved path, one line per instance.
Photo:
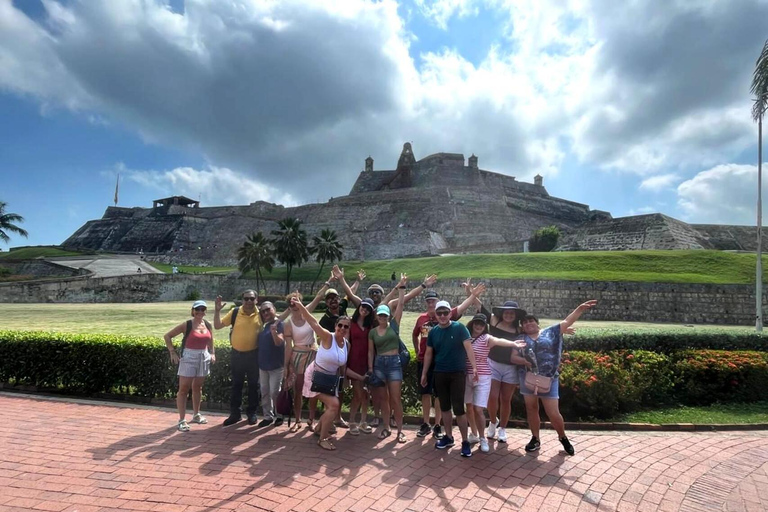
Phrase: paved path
(87, 456)
(122, 265)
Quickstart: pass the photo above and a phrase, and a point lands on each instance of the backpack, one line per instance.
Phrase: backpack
(188, 329)
(232, 322)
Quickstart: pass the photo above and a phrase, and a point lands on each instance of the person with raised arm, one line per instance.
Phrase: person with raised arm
(542, 358)
(323, 376)
(376, 292)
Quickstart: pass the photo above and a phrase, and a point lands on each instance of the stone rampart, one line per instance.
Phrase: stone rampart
(621, 301)
(41, 268)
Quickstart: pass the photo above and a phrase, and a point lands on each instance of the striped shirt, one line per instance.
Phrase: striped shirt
(480, 348)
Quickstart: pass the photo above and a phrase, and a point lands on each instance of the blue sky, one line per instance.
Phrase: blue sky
(632, 108)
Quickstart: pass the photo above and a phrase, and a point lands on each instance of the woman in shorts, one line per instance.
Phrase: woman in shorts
(197, 355)
(476, 393)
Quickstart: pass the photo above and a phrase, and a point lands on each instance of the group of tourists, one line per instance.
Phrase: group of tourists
(461, 369)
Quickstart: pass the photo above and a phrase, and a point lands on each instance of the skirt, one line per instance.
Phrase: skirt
(195, 363)
(300, 359)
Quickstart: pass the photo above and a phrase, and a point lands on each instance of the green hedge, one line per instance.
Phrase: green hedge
(665, 342)
(592, 384)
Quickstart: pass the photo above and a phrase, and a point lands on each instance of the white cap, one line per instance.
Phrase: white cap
(443, 304)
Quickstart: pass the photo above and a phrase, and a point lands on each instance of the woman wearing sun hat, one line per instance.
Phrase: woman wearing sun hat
(384, 361)
(197, 354)
(503, 322)
(476, 392)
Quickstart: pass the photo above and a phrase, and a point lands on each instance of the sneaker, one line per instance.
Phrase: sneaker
(484, 445)
(466, 449)
(444, 442)
(473, 439)
(502, 435)
(424, 430)
(252, 419)
(233, 418)
(199, 418)
(490, 432)
(183, 426)
(278, 422)
(264, 423)
(567, 445)
(437, 432)
(533, 445)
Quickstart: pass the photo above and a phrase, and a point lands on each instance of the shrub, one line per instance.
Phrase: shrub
(545, 239)
(665, 342)
(596, 385)
(708, 376)
(193, 295)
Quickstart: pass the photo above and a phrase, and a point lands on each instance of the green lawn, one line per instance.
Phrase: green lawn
(189, 269)
(715, 267)
(28, 253)
(713, 414)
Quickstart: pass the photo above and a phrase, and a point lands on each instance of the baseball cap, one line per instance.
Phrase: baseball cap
(443, 304)
(383, 310)
(199, 304)
(431, 294)
(331, 291)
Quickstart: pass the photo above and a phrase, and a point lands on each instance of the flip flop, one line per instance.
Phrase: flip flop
(326, 444)
(384, 434)
(401, 437)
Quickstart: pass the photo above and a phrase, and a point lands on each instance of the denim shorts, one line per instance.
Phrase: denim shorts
(387, 368)
(507, 373)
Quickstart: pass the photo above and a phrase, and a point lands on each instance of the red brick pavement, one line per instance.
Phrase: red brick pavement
(69, 455)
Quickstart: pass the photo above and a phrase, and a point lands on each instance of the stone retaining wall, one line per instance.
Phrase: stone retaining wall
(41, 268)
(642, 302)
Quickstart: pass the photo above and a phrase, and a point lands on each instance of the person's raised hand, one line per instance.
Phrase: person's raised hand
(218, 304)
(360, 275)
(430, 280)
(478, 290)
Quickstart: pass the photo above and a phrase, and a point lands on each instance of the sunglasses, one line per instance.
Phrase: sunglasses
(265, 310)
(374, 292)
(249, 299)
(442, 313)
(342, 326)
(200, 309)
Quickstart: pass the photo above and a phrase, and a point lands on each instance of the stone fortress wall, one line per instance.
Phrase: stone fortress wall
(641, 302)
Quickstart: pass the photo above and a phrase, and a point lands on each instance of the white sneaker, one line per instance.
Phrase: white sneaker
(484, 445)
(502, 438)
(490, 432)
(473, 439)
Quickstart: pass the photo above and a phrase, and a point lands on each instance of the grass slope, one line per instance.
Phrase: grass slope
(29, 253)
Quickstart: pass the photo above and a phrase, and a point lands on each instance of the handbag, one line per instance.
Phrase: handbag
(284, 403)
(538, 384)
(325, 383)
(405, 356)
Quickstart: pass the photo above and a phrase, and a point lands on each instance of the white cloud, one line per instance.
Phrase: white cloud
(725, 194)
(213, 186)
(659, 183)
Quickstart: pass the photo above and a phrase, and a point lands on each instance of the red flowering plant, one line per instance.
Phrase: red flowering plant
(650, 373)
(595, 385)
(708, 376)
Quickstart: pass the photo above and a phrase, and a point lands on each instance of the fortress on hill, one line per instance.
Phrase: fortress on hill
(440, 204)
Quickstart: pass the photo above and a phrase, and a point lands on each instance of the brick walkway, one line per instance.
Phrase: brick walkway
(87, 456)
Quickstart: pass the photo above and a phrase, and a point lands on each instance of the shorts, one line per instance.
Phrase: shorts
(507, 373)
(429, 388)
(388, 368)
(554, 389)
(300, 359)
(195, 363)
(449, 387)
(476, 393)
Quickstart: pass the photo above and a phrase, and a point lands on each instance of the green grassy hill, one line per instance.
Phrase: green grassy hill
(29, 253)
(715, 267)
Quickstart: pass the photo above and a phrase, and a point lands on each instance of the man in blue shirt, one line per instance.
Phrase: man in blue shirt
(449, 344)
(271, 363)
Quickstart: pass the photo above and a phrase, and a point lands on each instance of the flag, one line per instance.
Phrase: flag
(117, 187)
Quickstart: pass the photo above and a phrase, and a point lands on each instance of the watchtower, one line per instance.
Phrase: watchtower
(369, 164)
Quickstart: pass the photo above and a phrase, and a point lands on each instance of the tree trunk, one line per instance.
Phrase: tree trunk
(288, 279)
(312, 289)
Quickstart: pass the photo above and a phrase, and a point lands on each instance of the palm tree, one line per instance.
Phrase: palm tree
(326, 249)
(7, 224)
(290, 246)
(256, 254)
(760, 90)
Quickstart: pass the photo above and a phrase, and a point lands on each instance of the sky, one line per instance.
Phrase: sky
(630, 107)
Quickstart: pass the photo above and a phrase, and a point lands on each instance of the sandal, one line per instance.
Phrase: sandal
(354, 430)
(294, 428)
(401, 437)
(341, 423)
(199, 418)
(183, 426)
(384, 434)
(326, 444)
(365, 428)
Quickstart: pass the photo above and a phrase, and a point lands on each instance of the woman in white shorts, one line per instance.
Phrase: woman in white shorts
(197, 355)
(476, 393)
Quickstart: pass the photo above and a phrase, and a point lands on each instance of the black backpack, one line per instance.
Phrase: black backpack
(188, 329)
(232, 322)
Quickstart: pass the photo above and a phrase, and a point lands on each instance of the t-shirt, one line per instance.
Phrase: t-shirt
(424, 324)
(548, 349)
(328, 321)
(480, 348)
(448, 347)
(386, 343)
(246, 330)
(271, 356)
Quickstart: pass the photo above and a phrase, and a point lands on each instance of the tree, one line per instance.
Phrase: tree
(326, 249)
(760, 90)
(256, 254)
(545, 239)
(7, 221)
(290, 246)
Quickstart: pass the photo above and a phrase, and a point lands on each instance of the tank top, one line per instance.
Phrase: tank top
(303, 336)
(480, 348)
(502, 354)
(387, 342)
(329, 360)
(198, 340)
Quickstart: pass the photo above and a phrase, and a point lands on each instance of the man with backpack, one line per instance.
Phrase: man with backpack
(245, 325)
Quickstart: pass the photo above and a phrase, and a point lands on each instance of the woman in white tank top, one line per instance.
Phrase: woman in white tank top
(331, 359)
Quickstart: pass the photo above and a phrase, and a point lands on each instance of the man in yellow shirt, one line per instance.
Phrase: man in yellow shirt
(244, 359)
